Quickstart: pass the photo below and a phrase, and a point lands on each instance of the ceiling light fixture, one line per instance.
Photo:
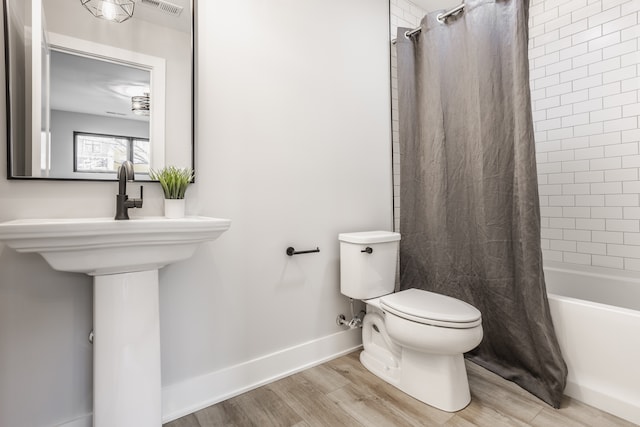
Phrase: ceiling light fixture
(111, 10)
(140, 105)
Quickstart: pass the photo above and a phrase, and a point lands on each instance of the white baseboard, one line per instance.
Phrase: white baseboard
(617, 406)
(194, 394)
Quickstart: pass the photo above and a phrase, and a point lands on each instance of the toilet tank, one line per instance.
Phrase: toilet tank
(368, 263)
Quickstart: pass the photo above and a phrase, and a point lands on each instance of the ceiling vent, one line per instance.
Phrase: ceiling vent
(164, 6)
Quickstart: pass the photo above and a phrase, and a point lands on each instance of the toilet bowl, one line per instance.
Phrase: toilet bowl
(413, 339)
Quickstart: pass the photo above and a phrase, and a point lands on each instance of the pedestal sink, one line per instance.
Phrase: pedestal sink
(124, 258)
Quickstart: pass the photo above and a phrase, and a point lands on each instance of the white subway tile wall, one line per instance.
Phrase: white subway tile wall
(585, 77)
(584, 62)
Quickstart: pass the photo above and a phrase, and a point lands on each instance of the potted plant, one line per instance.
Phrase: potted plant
(174, 182)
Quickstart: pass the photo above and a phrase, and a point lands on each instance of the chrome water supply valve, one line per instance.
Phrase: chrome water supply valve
(356, 320)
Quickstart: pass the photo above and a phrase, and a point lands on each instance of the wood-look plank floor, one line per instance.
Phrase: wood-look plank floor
(343, 393)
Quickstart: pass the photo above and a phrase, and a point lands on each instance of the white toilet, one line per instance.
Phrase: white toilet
(413, 339)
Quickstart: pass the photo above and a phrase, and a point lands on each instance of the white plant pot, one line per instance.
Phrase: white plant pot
(174, 208)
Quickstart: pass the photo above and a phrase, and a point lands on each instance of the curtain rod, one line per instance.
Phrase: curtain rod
(441, 17)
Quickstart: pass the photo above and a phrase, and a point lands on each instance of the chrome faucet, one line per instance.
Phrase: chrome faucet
(123, 203)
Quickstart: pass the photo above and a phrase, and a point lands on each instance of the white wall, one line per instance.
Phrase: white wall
(294, 127)
(293, 144)
(585, 76)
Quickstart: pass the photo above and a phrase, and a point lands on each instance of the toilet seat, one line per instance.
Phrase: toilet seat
(431, 309)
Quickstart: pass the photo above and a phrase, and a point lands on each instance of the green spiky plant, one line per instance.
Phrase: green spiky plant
(174, 181)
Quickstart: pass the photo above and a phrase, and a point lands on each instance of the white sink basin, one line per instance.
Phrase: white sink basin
(124, 258)
(97, 246)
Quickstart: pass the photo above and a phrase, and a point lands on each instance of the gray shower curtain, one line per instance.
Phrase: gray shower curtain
(469, 213)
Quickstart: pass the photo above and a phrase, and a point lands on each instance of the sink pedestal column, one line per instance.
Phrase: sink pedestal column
(124, 258)
(126, 355)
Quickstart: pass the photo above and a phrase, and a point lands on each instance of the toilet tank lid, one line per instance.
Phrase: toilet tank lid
(368, 237)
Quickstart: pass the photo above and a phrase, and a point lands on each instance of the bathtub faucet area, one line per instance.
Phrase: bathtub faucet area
(123, 203)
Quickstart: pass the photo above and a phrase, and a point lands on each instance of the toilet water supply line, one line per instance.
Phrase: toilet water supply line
(356, 320)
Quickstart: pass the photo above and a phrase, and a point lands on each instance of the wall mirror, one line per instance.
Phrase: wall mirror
(91, 83)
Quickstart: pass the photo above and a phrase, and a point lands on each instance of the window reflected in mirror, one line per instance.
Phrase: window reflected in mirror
(95, 153)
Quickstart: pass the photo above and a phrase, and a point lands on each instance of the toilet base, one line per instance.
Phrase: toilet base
(437, 380)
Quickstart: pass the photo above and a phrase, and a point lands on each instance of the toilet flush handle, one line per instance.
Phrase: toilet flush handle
(368, 250)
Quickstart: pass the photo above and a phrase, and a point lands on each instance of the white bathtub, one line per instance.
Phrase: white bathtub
(596, 314)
